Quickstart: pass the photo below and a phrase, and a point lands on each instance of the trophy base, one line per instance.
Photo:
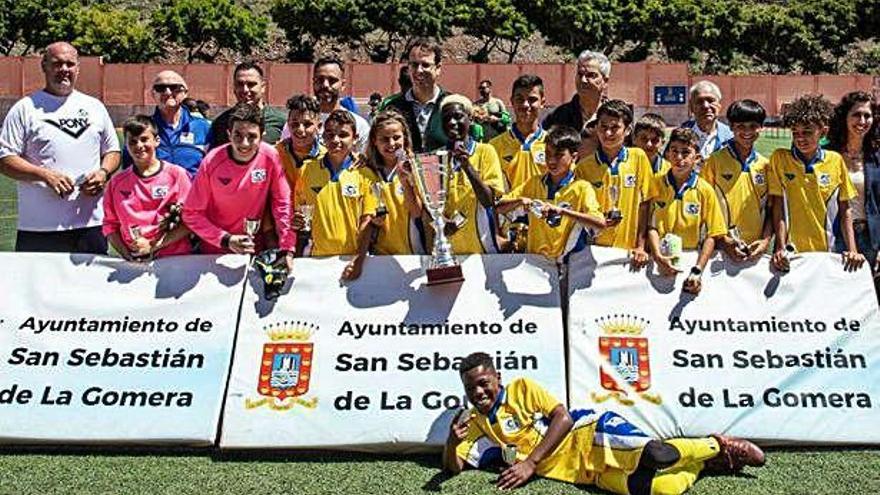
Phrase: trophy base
(444, 275)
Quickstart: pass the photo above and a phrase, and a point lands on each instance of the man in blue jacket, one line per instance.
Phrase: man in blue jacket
(705, 105)
(183, 138)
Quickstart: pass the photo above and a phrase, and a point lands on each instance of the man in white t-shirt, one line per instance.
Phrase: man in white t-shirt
(61, 147)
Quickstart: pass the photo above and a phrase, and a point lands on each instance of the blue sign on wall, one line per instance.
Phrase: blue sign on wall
(670, 95)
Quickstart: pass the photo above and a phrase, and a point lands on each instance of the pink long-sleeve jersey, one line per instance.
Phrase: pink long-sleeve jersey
(226, 193)
(134, 205)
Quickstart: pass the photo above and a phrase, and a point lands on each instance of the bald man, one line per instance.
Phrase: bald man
(183, 137)
(61, 147)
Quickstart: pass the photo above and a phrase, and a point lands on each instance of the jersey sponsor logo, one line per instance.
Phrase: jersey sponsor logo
(629, 180)
(760, 179)
(187, 138)
(399, 189)
(824, 180)
(510, 425)
(727, 176)
(598, 185)
(285, 368)
(692, 208)
(72, 126)
(507, 158)
(258, 175)
(350, 190)
(225, 180)
(316, 189)
(159, 192)
(660, 204)
(789, 176)
(625, 366)
(540, 157)
(125, 194)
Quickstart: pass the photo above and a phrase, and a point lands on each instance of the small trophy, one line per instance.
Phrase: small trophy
(432, 172)
(738, 243)
(537, 209)
(134, 231)
(671, 246)
(306, 212)
(614, 213)
(381, 207)
(789, 252)
(251, 227)
(508, 454)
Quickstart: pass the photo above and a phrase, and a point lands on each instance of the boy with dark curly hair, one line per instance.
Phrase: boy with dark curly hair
(809, 187)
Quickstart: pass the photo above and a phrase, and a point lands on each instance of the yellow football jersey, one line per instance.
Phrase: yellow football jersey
(690, 211)
(339, 202)
(398, 234)
(810, 191)
(570, 235)
(521, 416)
(477, 233)
(741, 187)
(630, 173)
(521, 157)
(292, 167)
(660, 165)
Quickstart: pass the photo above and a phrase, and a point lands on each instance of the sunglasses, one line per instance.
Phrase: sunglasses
(174, 88)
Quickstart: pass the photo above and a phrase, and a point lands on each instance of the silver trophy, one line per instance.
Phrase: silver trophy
(251, 227)
(306, 211)
(379, 193)
(614, 213)
(432, 172)
(738, 243)
(508, 454)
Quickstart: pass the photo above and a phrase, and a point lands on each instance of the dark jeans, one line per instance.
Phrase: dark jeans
(88, 240)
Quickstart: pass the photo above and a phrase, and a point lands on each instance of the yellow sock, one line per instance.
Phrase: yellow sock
(694, 449)
(675, 481)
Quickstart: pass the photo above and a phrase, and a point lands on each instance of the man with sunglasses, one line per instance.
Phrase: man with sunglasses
(421, 103)
(61, 147)
(183, 137)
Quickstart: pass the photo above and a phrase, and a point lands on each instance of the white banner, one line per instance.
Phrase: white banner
(784, 359)
(96, 349)
(371, 365)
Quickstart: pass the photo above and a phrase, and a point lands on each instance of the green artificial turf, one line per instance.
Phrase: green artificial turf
(794, 472)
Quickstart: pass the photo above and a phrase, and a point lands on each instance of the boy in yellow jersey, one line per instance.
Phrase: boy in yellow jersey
(738, 173)
(564, 207)
(621, 177)
(649, 135)
(521, 148)
(475, 181)
(582, 446)
(303, 119)
(339, 194)
(684, 205)
(810, 188)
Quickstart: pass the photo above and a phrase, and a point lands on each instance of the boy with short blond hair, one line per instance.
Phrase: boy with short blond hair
(810, 188)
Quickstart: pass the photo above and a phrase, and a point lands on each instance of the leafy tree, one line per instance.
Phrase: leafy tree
(305, 22)
(782, 42)
(24, 24)
(205, 27)
(403, 20)
(119, 35)
(832, 24)
(576, 25)
(497, 23)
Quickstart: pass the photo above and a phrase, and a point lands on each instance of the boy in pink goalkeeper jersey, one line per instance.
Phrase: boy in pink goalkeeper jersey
(138, 199)
(235, 184)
